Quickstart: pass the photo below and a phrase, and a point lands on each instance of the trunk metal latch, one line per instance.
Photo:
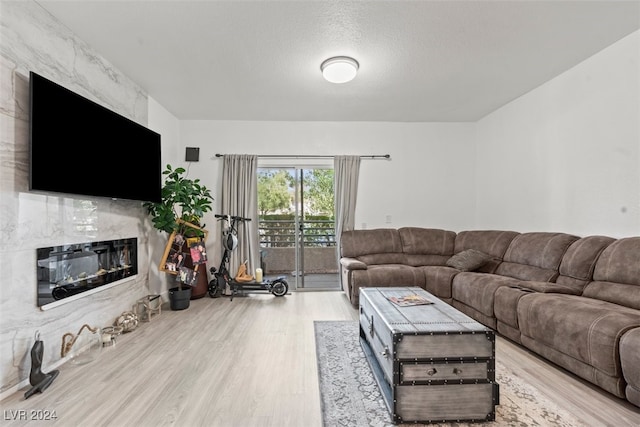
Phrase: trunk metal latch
(385, 353)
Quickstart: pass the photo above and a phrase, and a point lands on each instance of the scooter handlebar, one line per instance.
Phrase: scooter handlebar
(233, 217)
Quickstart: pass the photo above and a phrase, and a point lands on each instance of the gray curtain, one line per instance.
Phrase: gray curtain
(240, 198)
(345, 175)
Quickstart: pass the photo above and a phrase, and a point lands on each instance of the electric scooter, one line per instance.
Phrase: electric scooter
(221, 276)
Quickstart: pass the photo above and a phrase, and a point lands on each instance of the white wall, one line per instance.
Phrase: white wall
(427, 182)
(168, 126)
(566, 156)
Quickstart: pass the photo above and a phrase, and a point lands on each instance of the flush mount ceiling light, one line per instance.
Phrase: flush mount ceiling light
(339, 69)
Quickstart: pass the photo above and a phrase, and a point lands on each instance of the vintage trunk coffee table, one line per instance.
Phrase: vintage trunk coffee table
(432, 363)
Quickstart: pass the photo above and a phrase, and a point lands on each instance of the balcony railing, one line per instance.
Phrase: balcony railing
(278, 245)
(281, 233)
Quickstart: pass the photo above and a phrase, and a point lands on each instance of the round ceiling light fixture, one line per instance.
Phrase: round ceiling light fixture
(339, 69)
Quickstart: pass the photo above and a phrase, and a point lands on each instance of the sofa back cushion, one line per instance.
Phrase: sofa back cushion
(376, 246)
(426, 246)
(616, 276)
(578, 263)
(492, 242)
(535, 256)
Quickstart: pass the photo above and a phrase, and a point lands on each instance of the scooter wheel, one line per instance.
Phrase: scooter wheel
(279, 288)
(214, 290)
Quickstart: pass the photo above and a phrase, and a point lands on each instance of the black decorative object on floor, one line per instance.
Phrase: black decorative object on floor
(39, 380)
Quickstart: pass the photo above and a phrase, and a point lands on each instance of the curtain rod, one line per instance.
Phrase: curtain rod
(310, 156)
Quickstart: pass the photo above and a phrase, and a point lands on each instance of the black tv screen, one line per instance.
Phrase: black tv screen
(77, 146)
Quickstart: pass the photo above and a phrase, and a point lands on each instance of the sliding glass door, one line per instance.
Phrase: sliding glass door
(297, 220)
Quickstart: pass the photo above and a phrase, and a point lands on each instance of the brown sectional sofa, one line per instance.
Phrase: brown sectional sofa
(574, 301)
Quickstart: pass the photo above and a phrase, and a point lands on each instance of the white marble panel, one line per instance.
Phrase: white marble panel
(7, 90)
(43, 45)
(33, 40)
(8, 149)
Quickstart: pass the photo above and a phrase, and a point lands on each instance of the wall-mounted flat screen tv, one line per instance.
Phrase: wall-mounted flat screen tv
(77, 146)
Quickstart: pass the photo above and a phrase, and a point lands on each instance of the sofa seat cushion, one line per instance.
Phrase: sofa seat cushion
(535, 256)
(477, 290)
(585, 329)
(506, 304)
(438, 280)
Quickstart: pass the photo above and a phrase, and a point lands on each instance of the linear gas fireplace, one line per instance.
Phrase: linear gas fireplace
(69, 270)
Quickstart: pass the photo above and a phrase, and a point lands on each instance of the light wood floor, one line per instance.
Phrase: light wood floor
(247, 362)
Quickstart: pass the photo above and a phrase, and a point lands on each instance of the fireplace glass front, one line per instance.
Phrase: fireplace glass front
(67, 270)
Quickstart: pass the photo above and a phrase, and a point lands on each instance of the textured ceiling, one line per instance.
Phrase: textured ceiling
(419, 60)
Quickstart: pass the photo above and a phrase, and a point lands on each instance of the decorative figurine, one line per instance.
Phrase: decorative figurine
(38, 379)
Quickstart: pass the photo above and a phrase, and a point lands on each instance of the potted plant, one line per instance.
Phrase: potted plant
(184, 203)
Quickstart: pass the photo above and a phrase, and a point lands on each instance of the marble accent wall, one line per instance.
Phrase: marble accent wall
(33, 40)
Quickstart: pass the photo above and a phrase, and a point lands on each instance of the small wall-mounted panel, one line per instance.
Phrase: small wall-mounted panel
(192, 154)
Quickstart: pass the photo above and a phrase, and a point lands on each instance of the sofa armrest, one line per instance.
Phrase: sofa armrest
(630, 358)
(549, 287)
(352, 264)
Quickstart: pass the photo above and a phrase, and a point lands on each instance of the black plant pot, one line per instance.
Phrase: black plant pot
(179, 299)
